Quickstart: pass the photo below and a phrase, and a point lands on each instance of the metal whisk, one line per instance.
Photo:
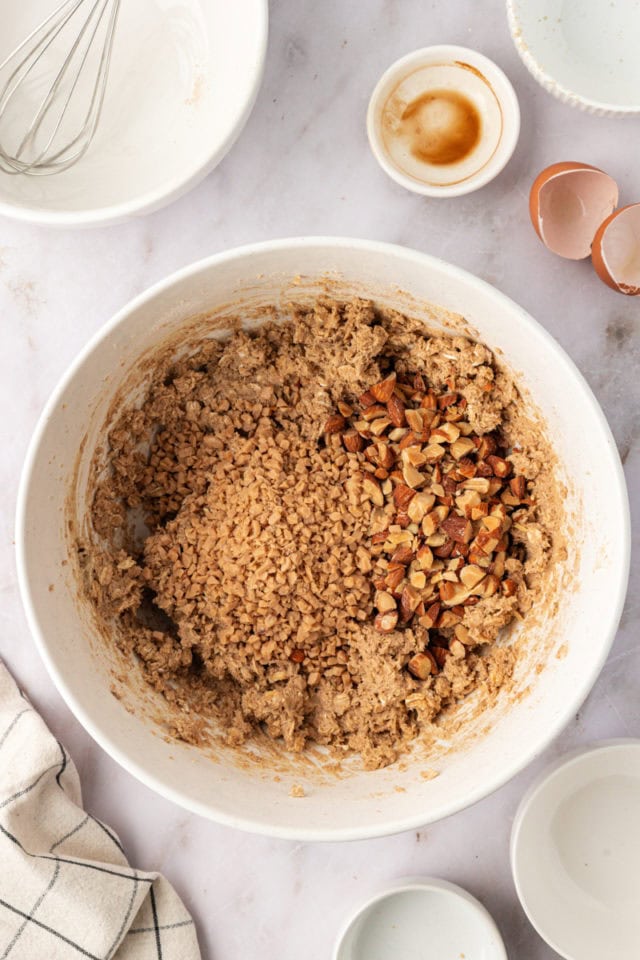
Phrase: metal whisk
(57, 76)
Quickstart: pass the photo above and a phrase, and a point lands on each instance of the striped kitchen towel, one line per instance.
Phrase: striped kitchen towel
(66, 888)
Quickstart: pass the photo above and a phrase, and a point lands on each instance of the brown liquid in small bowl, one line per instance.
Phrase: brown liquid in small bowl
(440, 127)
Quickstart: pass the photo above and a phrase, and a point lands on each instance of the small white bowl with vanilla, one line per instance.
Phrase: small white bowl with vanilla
(443, 121)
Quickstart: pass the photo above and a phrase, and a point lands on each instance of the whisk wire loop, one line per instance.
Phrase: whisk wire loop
(54, 154)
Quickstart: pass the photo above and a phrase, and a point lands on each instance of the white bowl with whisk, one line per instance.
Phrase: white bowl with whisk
(182, 81)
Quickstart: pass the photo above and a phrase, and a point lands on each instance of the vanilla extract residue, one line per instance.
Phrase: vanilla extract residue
(440, 127)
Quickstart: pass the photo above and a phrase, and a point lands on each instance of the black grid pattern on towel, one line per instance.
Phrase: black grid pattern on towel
(65, 941)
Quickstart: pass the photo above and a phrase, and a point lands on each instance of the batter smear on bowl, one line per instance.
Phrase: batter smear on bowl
(341, 512)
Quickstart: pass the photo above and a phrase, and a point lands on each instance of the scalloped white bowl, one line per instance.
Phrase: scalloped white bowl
(584, 53)
(482, 755)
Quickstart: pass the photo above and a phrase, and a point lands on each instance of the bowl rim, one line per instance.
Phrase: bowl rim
(541, 783)
(179, 185)
(209, 810)
(505, 95)
(601, 108)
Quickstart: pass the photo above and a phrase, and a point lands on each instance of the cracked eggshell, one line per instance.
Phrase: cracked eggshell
(616, 250)
(567, 203)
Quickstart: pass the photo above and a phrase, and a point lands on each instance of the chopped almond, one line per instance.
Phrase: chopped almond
(383, 391)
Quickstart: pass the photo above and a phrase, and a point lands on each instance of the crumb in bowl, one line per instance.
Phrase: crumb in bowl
(342, 511)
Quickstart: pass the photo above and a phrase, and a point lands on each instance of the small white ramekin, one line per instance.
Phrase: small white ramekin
(464, 58)
(413, 912)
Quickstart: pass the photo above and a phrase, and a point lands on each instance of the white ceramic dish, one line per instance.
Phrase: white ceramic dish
(184, 76)
(576, 635)
(575, 850)
(429, 919)
(584, 53)
(479, 80)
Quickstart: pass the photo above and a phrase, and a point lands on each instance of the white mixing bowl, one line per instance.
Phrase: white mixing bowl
(570, 640)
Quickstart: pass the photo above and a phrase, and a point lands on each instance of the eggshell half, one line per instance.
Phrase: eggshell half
(567, 203)
(616, 250)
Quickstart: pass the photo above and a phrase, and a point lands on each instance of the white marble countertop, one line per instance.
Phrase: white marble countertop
(302, 166)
